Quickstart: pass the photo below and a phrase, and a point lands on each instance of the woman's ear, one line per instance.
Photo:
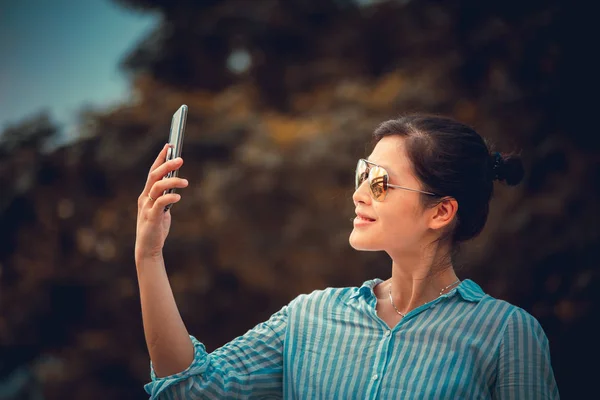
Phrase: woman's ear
(443, 213)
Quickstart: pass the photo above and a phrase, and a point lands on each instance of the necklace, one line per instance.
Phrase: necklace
(404, 315)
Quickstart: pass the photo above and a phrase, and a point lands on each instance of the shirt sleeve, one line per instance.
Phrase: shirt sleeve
(249, 366)
(524, 369)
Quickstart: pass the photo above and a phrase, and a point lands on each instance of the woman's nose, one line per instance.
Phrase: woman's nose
(361, 194)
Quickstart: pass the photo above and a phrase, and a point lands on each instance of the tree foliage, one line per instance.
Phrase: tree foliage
(297, 44)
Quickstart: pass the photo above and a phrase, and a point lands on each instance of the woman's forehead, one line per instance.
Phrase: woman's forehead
(390, 153)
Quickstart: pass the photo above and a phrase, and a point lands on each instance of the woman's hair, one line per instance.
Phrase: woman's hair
(451, 159)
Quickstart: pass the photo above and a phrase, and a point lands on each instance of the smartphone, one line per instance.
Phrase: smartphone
(175, 142)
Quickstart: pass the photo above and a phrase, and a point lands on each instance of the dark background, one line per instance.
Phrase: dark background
(283, 96)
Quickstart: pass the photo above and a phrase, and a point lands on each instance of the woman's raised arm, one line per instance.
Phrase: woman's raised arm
(171, 349)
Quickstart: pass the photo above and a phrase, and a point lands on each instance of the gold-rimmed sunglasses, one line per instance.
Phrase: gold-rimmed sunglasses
(378, 180)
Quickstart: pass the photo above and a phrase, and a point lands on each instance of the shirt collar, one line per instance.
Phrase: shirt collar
(366, 290)
(470, 291)
(467, 289)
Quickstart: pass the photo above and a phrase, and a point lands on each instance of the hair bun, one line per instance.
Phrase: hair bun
(508, 168)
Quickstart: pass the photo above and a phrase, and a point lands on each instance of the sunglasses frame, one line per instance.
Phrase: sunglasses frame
(389, 185)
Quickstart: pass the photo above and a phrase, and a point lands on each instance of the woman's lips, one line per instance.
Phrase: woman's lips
(362, 221)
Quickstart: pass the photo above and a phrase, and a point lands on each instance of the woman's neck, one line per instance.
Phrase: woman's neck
(418, 280)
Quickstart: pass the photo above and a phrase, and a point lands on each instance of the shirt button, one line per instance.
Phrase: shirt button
(387, 333)
(375, 377)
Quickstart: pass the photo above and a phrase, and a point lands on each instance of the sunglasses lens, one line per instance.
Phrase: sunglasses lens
(361, 173)
(378, 182)
(377, 176)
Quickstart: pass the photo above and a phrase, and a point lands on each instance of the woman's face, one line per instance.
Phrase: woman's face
(399, 222)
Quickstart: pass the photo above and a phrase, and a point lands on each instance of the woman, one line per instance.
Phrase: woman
(421, 334)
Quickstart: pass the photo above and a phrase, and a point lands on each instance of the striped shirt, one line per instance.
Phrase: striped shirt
(331, 344)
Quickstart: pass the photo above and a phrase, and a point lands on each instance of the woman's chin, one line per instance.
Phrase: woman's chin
(360, 244)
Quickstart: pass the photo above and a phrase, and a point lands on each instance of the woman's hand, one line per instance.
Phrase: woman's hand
(153, 222)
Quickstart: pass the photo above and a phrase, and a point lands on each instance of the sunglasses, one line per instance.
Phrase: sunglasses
(378, 180)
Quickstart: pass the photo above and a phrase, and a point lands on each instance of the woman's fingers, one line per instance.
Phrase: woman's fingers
(165, 168)
(159, 187)
(160, 159)
(158, 206)
(159, 172)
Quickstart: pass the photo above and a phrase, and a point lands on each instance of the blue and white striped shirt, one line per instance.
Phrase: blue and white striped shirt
(331, 344)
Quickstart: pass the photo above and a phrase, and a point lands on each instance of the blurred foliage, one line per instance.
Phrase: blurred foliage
(33, 133)
(270, 153)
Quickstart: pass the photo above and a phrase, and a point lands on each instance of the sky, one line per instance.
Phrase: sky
(61, 55)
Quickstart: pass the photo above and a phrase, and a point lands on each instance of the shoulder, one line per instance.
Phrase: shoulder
(328, 299)
(322, 297)
(498, 315)
(320, 308)
(514, 322)
(521, 325)
(491, 307)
